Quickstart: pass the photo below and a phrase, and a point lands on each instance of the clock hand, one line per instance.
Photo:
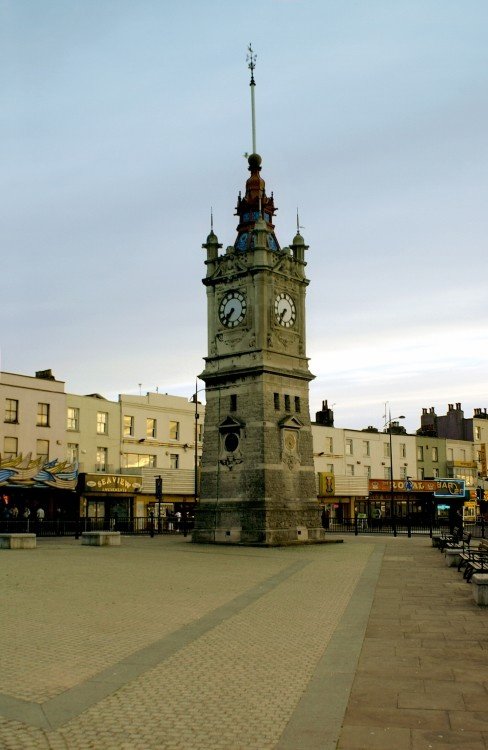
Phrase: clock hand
(230, 314)
(283, 313)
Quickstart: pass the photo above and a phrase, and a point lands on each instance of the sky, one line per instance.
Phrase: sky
(123, 123)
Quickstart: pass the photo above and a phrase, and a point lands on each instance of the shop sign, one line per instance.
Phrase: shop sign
(111, 483)
(400, 485)
(449, 488)
(326, 484)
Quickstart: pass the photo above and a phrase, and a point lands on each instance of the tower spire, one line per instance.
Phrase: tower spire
(251, 63)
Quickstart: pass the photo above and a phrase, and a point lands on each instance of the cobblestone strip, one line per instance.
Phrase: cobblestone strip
(317, 720)
(59, 710)
(235, 687)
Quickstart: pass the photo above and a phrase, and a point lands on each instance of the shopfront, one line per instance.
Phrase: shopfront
(109, 499)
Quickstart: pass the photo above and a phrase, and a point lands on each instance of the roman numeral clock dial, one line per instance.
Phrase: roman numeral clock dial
(285, 311)
(232, 309)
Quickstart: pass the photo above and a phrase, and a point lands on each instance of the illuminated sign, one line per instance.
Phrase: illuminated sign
(449, 488)
(111, 483)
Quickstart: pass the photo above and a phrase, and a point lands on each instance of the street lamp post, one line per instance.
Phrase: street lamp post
(392, 497)
(195, 458)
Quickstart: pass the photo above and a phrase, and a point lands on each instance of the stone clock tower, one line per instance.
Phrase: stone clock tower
(257, 478)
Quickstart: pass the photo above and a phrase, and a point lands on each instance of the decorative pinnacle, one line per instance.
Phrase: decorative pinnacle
(251, 63)
(211, 219)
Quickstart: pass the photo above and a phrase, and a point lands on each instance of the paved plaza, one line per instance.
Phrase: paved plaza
(162, 644)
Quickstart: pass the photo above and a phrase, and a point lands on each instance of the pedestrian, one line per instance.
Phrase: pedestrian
(27, 514)
(177, 521)
(458, 523)
(40, 514)
(325, 518)
(14, 512)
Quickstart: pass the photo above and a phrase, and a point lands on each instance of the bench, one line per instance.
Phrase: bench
(101, 538)
(480, 589)
(454, 541)
(474, 560)
(18, 541)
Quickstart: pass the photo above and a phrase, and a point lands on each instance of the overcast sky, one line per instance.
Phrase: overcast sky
(123, 122)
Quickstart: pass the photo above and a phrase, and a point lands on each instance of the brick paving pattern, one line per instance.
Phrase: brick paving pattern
(161, 644)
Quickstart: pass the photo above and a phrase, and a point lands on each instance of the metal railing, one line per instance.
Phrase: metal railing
(149, 525)
(402, 526)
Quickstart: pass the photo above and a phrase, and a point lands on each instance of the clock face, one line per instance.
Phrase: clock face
(232, 309)
(285, 311)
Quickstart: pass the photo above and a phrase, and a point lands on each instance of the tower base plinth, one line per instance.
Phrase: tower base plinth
(258, 524)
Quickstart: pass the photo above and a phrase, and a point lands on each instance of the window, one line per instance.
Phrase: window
(403, 450)
(73, 418)
(72, 453)
(174, 461)
(42, 449)
(101, 464)
(420, 473)
(435, 454)
(329, 445)
(138, 460)
(349, 470)
(10, 447)
(450, 454)
(387, 472)
(11, 410)
(43, 415)
(297, 404)
(102, 423)
(403, 472)
(276, 397)
(233, 402)
(128, 426)
(348, 447)
(420, 453)
(366, 448)
(367, 470)
(435, 473)
(287, 402)
(386, 450)
(477, 432)
(174, 430)
(479, 456)
(463, 455)
(150, 427)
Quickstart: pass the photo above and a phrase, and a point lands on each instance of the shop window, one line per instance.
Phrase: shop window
(101, 464)
(11, 410)
(72, 453)
(10, 447)
(73, 418)
(128, 426)
(174, 430)
(150, 427)
(42, 415)
(102, 423)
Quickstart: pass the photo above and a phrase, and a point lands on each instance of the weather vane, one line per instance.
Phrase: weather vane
(251, 63)
(299, 226)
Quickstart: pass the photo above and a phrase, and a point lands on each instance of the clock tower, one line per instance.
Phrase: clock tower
(257, 474)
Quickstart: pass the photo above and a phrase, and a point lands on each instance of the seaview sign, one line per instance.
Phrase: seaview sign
(449, 488)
